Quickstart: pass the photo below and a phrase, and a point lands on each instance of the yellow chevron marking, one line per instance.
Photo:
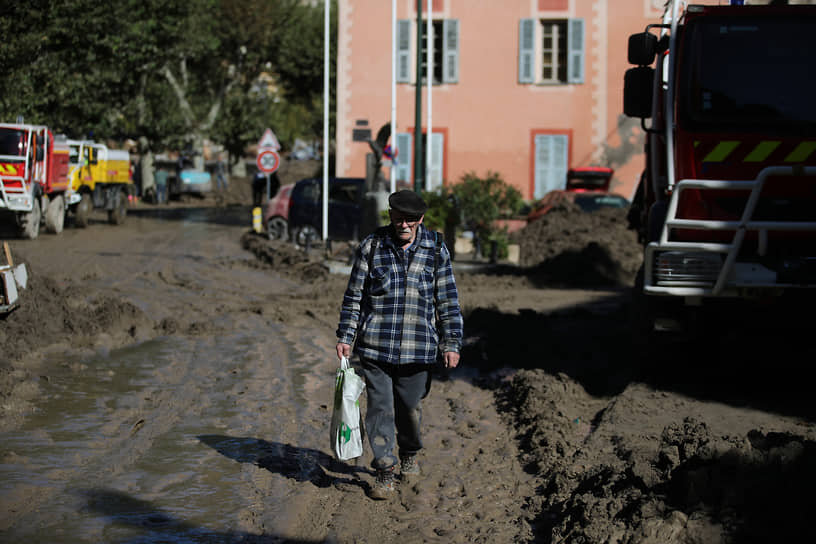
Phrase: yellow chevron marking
(761, 151)
(721, 152)
(801, 152)
(8, 169)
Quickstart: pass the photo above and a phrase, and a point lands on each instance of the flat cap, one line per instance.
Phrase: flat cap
(406, 201)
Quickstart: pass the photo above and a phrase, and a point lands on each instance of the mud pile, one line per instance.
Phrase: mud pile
(51, 313)
(602, 482)
(568, 246)
(285, 259)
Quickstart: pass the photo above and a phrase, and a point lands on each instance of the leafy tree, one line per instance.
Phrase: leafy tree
(169, 72)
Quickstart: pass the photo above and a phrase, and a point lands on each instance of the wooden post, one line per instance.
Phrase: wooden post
(7, 251)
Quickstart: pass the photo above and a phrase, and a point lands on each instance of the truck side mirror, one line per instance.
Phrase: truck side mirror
(40, 153)
(642, 48)
(637, 92)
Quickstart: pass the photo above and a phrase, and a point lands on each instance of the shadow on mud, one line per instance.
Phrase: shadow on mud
(157, 526)
(299, 464)
(764, 368)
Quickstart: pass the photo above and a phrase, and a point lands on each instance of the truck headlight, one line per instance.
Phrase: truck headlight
(19, 201)
(687, 268)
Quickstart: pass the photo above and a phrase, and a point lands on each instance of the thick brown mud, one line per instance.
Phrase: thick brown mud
(169, 380)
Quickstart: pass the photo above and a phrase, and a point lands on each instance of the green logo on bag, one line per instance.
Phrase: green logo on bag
(345, 433)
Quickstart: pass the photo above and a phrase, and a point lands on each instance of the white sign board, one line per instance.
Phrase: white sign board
(268, 141)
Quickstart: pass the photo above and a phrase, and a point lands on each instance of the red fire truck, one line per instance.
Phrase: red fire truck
(34, 184)
(726, 207)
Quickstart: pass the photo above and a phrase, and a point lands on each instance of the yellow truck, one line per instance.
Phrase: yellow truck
(100, 178)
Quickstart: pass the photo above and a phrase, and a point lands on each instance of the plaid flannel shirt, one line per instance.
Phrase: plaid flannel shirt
(398, 312)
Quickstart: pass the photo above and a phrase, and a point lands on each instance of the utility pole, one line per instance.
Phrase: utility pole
(419, 163)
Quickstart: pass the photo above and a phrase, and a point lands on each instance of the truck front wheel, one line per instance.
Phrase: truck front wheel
(30, 221)
(83, 210)
(55, 214)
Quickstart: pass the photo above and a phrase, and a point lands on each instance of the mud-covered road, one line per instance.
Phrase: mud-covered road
(169, 380)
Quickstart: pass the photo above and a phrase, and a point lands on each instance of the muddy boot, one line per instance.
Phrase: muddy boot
(383, 487)
(409, 467)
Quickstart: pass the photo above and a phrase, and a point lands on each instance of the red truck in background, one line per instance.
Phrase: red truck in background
(34, 183)
(586, 186)
(726, 206)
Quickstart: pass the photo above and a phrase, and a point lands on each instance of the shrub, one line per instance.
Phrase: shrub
(480, 202)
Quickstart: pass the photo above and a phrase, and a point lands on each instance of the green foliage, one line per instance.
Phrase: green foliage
(164, 69)
(440, 208)
(474, 204)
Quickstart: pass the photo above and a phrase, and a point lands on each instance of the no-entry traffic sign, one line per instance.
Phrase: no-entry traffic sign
(268, 161)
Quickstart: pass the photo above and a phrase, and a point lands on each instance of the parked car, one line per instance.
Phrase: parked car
(587, 187)
(276, 214)
(345, 209)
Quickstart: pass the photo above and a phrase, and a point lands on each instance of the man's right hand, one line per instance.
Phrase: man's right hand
(343, 350)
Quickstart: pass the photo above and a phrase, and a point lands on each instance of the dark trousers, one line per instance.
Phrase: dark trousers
(258, 191)
(394, 395)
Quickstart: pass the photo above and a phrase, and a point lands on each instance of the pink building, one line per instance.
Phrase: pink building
(525, 88)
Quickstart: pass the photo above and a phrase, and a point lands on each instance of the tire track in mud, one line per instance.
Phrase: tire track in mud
(124, 435)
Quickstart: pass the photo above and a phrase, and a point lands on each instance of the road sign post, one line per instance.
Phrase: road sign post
(268, 159)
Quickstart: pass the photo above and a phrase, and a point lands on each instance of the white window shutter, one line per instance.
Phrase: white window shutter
(560, 147)
(450, 46)
(437, 160)
(404, 157)
(404, 51)
(575, 48)
(527, 50)
(551, 157)
(543, 156)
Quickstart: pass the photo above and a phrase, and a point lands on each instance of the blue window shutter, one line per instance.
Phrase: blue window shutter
(450, 46)
(404, 51)
(575, 60)
(405, 157)
(551, 157)
(437, 160)
(527, 50)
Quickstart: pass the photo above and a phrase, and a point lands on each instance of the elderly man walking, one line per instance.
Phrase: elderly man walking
(401, 312)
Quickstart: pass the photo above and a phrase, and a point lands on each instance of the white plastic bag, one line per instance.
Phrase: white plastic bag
(346, 436)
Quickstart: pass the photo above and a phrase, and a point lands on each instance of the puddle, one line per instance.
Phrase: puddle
(117, 450)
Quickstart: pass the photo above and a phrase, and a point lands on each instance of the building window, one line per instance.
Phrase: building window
(445, 43)
(437, 38)
(551, 51)
(551, 160)
(405, 160)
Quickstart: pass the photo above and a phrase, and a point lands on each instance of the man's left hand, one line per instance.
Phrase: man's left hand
(451, 359)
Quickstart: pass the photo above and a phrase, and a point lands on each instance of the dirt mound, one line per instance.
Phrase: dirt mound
(571, 247)
(285, 259)
(49, 313)
(693, 485)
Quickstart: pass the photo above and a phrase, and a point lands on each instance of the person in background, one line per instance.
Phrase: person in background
(160, 180)
(400, 311)
(221, 173)
(258, 188)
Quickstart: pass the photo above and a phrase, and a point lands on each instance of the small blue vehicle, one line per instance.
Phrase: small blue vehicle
(195, 181)
(190, 180)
